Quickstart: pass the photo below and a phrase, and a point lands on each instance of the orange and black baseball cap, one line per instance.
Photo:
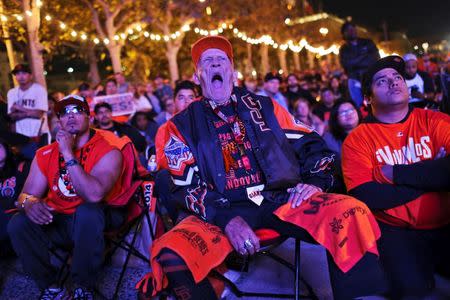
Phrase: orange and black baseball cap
(211, 42)
(393, 61)
(71, 100)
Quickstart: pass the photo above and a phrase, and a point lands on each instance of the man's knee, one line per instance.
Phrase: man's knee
(89, 212)
(18, 225)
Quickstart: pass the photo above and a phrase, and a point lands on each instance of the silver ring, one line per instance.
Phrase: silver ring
(248, 244)
(296, 190)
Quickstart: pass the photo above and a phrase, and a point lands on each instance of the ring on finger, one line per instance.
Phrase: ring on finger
(248, 244)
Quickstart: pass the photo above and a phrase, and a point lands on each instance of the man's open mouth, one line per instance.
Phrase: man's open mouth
(217, 80)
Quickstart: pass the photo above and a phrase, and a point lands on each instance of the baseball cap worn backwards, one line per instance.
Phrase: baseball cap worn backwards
(71, 100)
(211, 42)
(393, 61)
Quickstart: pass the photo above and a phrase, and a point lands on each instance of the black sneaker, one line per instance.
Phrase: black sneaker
(82, 294)
(54, 294)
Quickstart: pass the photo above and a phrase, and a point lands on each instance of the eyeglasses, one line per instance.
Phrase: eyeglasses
(346, 112)
(77, 110)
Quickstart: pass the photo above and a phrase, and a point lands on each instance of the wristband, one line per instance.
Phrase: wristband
(21, 203)
(71, 162)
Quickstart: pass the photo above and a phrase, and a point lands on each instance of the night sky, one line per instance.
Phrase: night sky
(426, 19)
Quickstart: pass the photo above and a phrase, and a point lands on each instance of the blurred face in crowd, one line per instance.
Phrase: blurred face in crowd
(170, 106)
(183, 98)
(2, 156)
(215, 74)
(388, 90)
(104, 117)
(23, 78)
(74, 119)
(292, 81)
(250, 84)
(159, 82)
(411, 67)
(86, 93)
(141, 122)
(302, 109)
(272, 86)
(111, 88)
(350, 33)
(119, 78)
(334, 83)
(149, 88)
(327, 98)
(347, 116)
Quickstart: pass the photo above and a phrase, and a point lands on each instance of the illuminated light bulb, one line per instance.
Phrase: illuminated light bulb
(130, 31)
(123, 36)
(106, 41)
(96, 41)
(139, 28)
(48, 18)
(3, 18)
(83, 36)
(224, 25)
(235, 30)
(208, 10)
(173, 36)
(39, 3)
(323, 31)
(287, 21)
(62, 25)
(196, 30)
(73, 33)
(220, 30)
(146, 34)
(166, 38)
(254, 73)
(185, 28)
(116, 37)
(29, 13)
(157, 37)
(19, 18)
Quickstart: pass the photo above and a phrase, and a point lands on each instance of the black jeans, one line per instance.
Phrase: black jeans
(81, 231)
(364, 279)
(411, 257)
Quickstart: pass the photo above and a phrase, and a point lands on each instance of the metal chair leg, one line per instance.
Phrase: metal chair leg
(127, 259)
(297, 269)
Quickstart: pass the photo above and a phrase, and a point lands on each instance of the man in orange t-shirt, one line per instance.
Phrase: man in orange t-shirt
(62, 202)
(396, 163)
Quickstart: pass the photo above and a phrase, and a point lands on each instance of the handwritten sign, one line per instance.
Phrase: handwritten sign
(122, 104)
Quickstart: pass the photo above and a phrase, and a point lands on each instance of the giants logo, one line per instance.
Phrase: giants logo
(176, 153)
(411, 153)
(194, 200)
(255, 112)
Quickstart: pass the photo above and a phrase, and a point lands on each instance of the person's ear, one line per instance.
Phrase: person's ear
(196, 78)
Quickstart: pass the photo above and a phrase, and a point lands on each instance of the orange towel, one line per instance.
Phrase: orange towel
(202, 246)
(342, 224)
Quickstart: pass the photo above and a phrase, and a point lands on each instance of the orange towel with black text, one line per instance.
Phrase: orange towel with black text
(201, 245)
(342, 224)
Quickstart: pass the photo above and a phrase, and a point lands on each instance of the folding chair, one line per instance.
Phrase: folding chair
(270, 239)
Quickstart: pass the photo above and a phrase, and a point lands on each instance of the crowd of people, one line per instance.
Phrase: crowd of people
(231, 156)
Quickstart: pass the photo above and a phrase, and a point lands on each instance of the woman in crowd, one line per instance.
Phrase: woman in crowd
(13, 173)
(303, 113)
(336, 87)
(344, 117)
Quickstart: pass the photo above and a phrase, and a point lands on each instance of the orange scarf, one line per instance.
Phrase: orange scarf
(202, 246)
(342, 224)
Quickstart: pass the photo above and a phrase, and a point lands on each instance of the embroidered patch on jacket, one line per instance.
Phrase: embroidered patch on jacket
(176, 153)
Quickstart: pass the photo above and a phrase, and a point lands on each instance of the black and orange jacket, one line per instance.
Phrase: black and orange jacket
(418, 196)
(286, 150)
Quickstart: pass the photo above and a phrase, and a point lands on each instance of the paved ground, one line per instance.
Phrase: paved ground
(268, 276)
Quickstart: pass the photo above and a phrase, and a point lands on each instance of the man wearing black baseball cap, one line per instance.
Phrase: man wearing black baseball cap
(271, 89)
(396, 162)
(69, 197)
(27, 107)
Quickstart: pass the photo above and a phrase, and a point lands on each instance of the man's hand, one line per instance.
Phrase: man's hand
(38, 212)
(242, 236)
(65, 142)
(300, 192)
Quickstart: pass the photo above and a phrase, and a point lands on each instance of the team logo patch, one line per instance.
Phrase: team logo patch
(63, 189)
(254, 194)
(323, 164)
(298, 123)
(176, 153)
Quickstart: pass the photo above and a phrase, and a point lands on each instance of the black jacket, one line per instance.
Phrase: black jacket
(356, 59)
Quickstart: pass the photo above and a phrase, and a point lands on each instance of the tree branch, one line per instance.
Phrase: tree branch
(95, 19)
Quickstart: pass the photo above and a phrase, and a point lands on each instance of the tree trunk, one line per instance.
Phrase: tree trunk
(249, 62)
(296, 56)
(311, 57)
(264, 52)
(282, 59)
(114, 50)
(8, 44)
(94, 74)
(35, 47)
(171, 54)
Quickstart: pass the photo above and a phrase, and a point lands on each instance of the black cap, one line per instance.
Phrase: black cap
(71, 100)
(393, 61)
(270, 76)
(21, 68)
